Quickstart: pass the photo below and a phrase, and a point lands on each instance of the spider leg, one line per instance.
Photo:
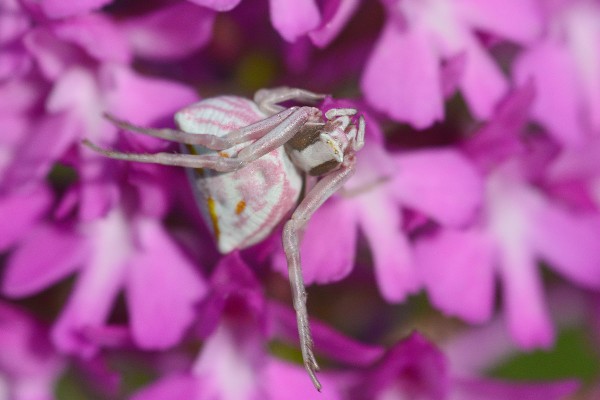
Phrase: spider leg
(268, 99)
(291, 244)
(210, 161)
(281, 134)
(212, 142)
(359, 141)
(272, 140)
(339, 112)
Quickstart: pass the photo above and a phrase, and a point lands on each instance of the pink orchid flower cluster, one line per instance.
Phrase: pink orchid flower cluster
(477, 193)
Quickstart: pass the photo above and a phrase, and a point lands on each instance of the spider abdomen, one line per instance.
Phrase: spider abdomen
(241, 207)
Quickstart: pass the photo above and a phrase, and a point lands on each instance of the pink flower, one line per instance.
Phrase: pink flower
(565, 67)
(405, 75)
(113, 245)
(127, 250)
(118, 242)
(415, 368)
(45, 117)
(520, 225)
(235, 323)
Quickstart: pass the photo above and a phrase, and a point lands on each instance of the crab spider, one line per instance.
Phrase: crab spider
(247, 160)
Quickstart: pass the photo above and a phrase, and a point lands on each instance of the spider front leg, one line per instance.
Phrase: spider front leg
(267, 143)
(212, 142)
(268, 99)
(291, 245)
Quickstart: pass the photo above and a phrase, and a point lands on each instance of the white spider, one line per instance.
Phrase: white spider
(246, 161)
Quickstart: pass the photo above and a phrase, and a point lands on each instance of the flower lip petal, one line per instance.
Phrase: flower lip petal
(328, 250)
(407, 91)
(380, 220)
(161, 301)
(458, 272)
(568, 241)
(440, 183)
(526, 311)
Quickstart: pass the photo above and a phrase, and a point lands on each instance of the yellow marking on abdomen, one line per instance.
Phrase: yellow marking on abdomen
(223, 154)
(212, 211)
(239, 208)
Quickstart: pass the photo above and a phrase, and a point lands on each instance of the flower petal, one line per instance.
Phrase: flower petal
(96, 34)
(131, 90)
(510, 214)
(162, 289)
(231, 363)
(231, 282)
(412, 368)
(328, 244)
(440, 183)
(87, 308)
(29, 364)
(15, 22)
(452, 72)
(293, 19)
(97, 285)
(526, 311)
(20, 211)
(576, 164)
(407, 91)
(288, 382)
(47, 255)
(327, 340)
(517, 20)
(34, 157)
(569, 243)
(483, 83)
(380, 220)
(98, 192)
(501, 138)
(336, 14)
(556, 105)
(218, 5)
(173, 31)
(457, 270)
(584, 43)
(60, 8)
